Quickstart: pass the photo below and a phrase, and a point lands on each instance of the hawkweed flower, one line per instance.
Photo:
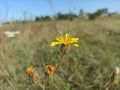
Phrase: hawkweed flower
(30, 71)
(50, 69)
(65, 42)
(49, 73)
(32, 75)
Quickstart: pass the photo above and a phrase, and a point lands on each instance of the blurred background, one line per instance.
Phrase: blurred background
(28, 27)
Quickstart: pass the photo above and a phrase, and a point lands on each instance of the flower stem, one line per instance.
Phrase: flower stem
(42, 86)
(63, 56)
(55, 86)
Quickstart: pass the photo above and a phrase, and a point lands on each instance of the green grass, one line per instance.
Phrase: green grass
(87, 67)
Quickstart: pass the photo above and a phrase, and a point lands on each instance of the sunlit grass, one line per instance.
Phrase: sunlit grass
(88, 67)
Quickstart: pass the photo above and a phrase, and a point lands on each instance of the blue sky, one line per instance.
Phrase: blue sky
(20, 9)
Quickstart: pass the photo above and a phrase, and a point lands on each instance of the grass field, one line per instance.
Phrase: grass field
(87, 67)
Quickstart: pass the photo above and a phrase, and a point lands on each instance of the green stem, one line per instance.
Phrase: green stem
(60, 63)
(43, 87)
(55, 86)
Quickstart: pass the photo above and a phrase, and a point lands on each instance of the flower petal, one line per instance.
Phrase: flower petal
(76, 45)
(58, 39)
(74, 40)
(55, 43)
(67, 36)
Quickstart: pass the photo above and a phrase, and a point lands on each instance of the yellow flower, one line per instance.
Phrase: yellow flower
(67, 40)
(50, 69)
(30, 71)
(32, 75)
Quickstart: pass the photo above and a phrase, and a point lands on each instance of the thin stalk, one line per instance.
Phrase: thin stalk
(43, 87)
(60, 63)
(55, 86)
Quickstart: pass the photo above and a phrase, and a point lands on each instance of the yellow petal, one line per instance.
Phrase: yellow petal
(62, 39)
(76, 45)
(67, 36)
(58, 39)
(55, 43)
(74, 40)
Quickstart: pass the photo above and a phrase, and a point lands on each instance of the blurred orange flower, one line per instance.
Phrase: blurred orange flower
(50, 69)
(30, 71)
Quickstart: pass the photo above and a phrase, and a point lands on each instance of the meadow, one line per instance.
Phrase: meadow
(87, 67)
